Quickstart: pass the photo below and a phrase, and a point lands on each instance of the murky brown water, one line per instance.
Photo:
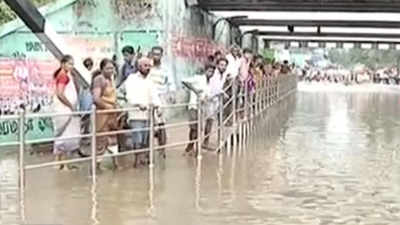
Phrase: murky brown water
(328, 157)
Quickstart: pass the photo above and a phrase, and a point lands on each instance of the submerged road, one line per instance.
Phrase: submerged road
(327, 155)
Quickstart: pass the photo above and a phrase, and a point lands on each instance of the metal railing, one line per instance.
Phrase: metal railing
(234, 115)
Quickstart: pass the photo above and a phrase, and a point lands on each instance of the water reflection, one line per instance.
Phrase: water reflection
(93, 193)
(151, 193)
(198, 186)
(320, 157)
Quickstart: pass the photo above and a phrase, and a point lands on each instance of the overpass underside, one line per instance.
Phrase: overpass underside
(372, 22)
(285, 30)
(302, 6)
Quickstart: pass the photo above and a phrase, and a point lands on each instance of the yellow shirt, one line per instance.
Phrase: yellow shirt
(258, 76)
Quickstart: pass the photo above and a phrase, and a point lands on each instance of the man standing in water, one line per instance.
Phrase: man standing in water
(234, 60)
(199, 87)
(159, 77)
(245, 65)
(105, 98)
(138, 91)
(217, 83)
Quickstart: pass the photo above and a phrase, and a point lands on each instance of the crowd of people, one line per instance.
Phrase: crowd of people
(357, 75)
(31, 103)
(143, 82)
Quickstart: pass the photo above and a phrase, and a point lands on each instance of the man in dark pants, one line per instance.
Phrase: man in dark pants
(199, 87)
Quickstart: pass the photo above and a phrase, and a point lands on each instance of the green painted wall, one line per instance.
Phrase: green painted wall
(34, 129)
(102, 28)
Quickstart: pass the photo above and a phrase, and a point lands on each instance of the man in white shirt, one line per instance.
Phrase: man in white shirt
(199, 87)
(159, 77)
(220, 75)
(138, 91)
(234, 61)
(217, 84)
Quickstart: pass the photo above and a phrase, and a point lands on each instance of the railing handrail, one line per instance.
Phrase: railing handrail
(120, 109)
(242, 93)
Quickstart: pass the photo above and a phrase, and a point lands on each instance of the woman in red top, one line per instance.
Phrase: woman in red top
(65, 101)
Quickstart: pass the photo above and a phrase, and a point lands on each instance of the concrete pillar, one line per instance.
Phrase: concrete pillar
(261, 45)
(247, 40)
(255, 44)
(223, 33)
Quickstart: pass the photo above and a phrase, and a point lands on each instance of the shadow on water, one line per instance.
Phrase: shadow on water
(318, 157)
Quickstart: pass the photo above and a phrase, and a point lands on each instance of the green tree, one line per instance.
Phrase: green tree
(6, 14)
(268, 54)
(372, 58)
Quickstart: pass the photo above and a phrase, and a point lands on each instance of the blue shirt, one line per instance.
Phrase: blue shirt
(127, 69)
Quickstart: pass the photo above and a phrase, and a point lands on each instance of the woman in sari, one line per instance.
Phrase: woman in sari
(105, 98)
(65, 101)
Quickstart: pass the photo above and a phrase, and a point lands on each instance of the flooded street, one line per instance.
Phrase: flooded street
(327, 155)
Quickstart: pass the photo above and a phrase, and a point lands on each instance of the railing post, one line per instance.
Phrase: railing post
(274, 90)
(221, 121)
(94, 144)
(246, 112)
(259, 95)
(263, 94)
(240, 119)
(252, 105)
(22, 163)
(255, 103)
(278, 88)
(152, 111)
(234, 116)
(246, 102)
(271, 90)
(267, 88)
(199, 128)
(266, 92)
(259, 99)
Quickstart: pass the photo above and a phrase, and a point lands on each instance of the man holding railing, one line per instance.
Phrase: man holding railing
(244, 71)
(138, 92)
(200, 87)
(158, 75)
(234, 61)
(220, 75)
(217, 83)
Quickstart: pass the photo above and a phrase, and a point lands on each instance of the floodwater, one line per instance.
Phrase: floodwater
(327, 155)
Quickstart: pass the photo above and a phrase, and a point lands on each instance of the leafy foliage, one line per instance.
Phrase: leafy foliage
(6, 14)
(268, 54)
(372, 58)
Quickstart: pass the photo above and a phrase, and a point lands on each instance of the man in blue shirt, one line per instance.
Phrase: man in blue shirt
(129, 66)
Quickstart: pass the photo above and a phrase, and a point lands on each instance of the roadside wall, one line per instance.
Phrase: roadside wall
(98, 29)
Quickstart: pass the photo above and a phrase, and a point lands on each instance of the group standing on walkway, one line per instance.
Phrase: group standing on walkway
(143, 81)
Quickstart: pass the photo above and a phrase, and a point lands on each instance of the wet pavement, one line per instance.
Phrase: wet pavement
(327, 155)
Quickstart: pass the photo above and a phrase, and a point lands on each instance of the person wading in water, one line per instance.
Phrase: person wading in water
(66, 101)
(105, 98)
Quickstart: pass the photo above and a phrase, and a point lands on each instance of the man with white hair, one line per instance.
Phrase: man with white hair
(138, 92)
